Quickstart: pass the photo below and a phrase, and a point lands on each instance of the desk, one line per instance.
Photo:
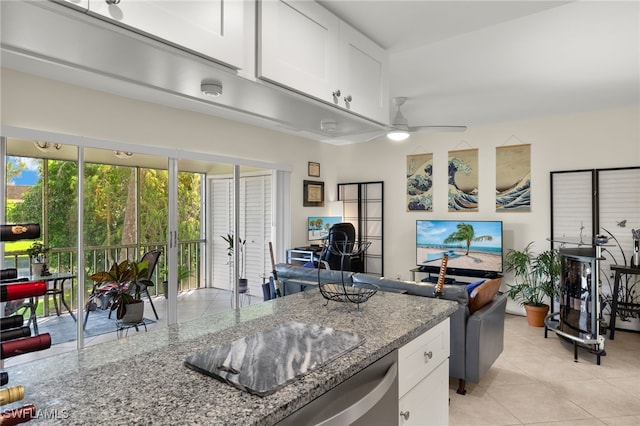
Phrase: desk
(620, 270)
(57, 290)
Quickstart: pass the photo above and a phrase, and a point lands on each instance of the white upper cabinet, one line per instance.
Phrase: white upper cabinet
(363, 75)
(213, 28)
(303, 46)
(298, 46)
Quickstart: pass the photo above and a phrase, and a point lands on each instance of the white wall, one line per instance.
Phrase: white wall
(583, 141)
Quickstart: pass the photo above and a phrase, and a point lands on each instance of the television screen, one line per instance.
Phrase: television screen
(319, 226)
(474, 247)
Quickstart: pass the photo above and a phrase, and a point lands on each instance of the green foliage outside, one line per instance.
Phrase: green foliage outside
(109, 206)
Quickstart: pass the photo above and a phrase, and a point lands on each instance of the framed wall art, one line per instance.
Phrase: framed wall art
(313, 169)
(313, 193)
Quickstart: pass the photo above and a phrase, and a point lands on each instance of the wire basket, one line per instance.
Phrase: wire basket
(357, 293)
(345, 292)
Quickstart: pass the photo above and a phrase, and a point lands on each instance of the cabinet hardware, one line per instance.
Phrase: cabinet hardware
(428, 356)
(112, 1)
(405, 414)
(336, 94)
(348, 99)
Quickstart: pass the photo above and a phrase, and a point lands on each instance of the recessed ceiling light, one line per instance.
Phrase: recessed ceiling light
(123, 154)
(47, 146)
(211, 88)
(328, 126)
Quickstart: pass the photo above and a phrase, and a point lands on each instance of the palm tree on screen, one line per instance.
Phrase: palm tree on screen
(467, 234)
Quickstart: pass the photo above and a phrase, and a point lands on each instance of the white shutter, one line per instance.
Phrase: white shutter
(572, 199)
(619, 206)
(619, 213)
(255, 228)
(221, 224)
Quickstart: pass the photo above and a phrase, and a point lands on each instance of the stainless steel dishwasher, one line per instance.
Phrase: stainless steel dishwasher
(368, 398)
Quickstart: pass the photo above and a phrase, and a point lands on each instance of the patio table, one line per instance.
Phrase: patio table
(58, 281)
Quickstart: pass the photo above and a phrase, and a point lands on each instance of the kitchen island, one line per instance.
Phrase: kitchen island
(142, 379)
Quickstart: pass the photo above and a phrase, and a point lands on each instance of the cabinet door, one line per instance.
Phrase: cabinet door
(428, 402)
(363, 75)
(211, 28)
(298, 47)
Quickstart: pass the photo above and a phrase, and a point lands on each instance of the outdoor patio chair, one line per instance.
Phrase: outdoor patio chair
(152, 256)
(101, 289)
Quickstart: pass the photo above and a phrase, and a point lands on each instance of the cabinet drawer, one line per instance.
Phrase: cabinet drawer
(422, 355)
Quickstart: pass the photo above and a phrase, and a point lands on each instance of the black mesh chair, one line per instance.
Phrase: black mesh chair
(337, 253)
(152, 257)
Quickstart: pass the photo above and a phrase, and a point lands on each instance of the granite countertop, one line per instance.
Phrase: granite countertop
(142, 379)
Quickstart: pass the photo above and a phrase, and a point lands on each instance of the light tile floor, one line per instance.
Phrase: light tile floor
(536, 381)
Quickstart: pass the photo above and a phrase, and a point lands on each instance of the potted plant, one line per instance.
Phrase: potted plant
(242, 281)
(536, 279)
(183, 273)
(38, 255)
(123, 283)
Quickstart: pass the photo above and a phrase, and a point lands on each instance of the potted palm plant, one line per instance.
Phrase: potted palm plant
(183, 273)
(123, 283)
(242, 281)
(536, 279)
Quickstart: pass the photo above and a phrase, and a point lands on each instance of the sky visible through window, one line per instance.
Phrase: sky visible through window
(29, 175)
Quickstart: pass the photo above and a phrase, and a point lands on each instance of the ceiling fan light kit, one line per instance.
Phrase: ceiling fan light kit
(399, 129)
(398, 135)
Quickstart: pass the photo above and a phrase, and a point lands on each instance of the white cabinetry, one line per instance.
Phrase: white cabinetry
(305, 47)
(423, 378)
(213, 28)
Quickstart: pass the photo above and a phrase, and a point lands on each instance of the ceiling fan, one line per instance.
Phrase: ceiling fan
(400, 130)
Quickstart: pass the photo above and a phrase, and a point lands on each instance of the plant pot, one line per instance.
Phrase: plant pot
(134, 313)
(36, 268)
(243, 285)
(536, 314)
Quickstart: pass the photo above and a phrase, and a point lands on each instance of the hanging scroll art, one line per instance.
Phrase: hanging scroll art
(513, 178)
(420, 182)
(463, 180)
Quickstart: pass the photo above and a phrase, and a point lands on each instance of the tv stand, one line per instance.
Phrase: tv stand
(434, 279)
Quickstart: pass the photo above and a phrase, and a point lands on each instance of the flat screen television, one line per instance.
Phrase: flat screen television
(474, 247)
(319, 226)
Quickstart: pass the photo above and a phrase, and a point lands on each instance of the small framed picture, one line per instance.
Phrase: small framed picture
(313, 194)
(314, 169)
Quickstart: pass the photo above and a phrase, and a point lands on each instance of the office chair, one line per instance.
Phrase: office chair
(338, 249)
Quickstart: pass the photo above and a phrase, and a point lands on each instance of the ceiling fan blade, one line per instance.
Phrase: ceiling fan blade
(437, 129)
